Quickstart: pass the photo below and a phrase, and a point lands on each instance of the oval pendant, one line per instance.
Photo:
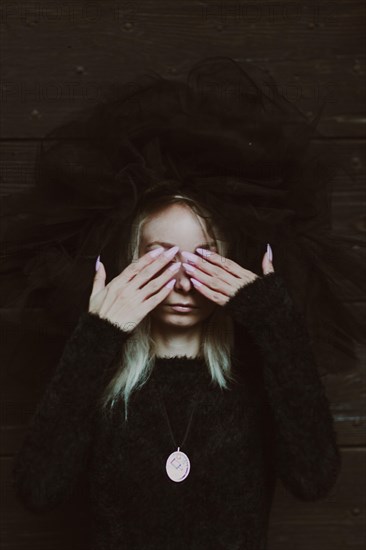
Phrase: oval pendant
(178, 466)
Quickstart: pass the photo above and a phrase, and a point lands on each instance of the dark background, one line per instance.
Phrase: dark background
(58, 57)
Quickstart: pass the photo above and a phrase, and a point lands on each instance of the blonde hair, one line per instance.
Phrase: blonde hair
(137, 358)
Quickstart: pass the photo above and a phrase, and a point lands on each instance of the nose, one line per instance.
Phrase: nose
(183, 282)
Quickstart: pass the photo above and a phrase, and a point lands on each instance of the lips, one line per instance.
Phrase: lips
(183, 305)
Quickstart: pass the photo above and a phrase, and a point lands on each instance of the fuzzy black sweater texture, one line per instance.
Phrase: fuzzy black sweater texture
(274, 422)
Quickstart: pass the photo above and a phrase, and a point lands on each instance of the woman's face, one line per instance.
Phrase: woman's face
(177, 225)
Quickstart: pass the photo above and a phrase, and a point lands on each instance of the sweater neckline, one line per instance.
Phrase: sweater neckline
(179, 364)
(175, 358)
(185, 361)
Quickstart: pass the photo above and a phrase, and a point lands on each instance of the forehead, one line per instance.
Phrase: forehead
(174, 220)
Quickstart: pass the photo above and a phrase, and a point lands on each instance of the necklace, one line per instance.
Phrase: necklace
(178, 464)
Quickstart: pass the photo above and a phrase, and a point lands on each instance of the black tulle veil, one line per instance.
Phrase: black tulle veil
(224, 136)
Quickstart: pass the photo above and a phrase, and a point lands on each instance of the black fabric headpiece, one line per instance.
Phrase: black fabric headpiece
(225, 136)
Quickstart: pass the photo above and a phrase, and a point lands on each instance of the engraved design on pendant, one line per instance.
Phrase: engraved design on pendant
(178, 466)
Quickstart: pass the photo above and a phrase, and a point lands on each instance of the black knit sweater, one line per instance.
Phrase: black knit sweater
(275, 421)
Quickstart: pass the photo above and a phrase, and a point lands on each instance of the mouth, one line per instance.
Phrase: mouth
(181, 307)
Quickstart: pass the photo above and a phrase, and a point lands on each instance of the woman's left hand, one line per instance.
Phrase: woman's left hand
(218, 278)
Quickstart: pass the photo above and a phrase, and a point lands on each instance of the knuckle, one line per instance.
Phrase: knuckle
(149, 272)
(133, 269)
(153, 299)
(119, 292)
(154, 284)
(215, 284)
(226, 263)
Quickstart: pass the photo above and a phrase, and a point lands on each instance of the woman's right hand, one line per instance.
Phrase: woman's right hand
(130, 296)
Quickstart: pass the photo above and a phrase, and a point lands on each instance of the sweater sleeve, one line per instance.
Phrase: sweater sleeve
(307, 458)
(54, 449)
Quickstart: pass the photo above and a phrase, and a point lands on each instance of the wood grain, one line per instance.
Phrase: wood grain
(59, 57)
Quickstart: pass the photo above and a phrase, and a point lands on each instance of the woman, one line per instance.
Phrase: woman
(183, 419)
(163, 477)
(155, 334)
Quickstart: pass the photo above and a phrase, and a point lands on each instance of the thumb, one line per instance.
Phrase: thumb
(99, 279)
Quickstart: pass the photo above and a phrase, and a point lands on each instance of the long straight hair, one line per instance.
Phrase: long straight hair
(137, 358)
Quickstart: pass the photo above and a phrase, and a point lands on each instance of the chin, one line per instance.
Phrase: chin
(175, 315)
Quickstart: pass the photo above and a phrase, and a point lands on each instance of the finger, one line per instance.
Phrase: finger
(207, 260)
(212, 295)
(134, 268)
(153, 268)
(215, 282)
(155, 284)
(155, 299)
(99, 280)
(136, 273)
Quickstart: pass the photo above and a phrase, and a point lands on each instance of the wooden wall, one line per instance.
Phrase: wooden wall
(57, 57)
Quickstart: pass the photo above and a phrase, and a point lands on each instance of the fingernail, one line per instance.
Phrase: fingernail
(171, 283)
(156, 251)
(172, 251)
(189, 268)
(269, 252)
(97, 263)
(175, 266)
(195, 282)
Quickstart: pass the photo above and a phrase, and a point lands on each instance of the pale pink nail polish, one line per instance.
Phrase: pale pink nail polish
(194, 281)
(175, 266)
(269, 252)
(156, 252)
(171, 283)
(189, 268)
(171, 252)
(97, 263)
